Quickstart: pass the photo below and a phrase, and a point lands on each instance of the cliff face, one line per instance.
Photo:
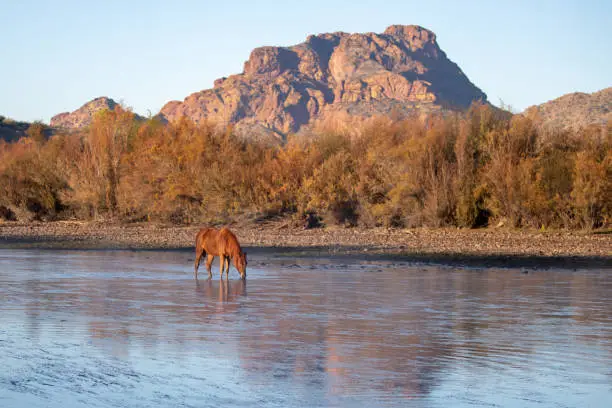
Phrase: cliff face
(576, 110)
(284, 88)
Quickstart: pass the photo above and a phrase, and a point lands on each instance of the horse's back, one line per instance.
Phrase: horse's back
(203, 232)
(230, 241)
(217, 242)
(207, 239)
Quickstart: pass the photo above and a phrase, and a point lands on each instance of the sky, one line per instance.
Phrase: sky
(57, 55)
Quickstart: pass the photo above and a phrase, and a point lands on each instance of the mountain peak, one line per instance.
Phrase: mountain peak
(83, 116)
(410, 32)
(283, 89)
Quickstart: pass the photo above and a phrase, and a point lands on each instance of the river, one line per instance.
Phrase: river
(133, 329)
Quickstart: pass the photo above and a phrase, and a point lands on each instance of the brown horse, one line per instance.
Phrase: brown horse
(222, 243)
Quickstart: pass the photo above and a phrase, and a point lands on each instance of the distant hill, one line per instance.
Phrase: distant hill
(83, 116)
(11, 130)
(575, 110)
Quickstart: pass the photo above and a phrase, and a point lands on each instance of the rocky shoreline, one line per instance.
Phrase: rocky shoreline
(491, 246)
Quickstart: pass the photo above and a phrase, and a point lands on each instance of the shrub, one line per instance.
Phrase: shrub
(455, 170)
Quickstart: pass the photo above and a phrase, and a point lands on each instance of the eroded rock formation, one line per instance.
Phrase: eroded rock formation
(284, 88)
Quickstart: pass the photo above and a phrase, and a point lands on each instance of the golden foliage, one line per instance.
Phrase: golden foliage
(466, 170)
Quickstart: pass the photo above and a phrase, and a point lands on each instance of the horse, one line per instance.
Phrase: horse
(224, 244)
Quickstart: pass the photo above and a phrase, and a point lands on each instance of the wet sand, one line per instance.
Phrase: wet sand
(487, 247)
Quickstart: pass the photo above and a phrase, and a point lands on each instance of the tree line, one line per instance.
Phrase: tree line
(471, 169)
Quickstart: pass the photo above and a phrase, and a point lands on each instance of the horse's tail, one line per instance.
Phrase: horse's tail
(198, 242)
(199, 249)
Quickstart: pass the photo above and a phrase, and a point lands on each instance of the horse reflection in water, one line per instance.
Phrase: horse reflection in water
(226, 295)
(224, 244)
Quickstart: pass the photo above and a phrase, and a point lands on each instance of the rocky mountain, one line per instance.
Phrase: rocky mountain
(83, 116)
(284, 88)
(11, 130)
(575, 110)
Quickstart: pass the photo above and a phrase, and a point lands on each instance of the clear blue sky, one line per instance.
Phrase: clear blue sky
(57, 55)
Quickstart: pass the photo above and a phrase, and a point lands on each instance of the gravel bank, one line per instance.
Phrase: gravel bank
(443, 243)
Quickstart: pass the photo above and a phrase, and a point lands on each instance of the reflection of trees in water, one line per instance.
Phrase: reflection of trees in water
(348, 335)
(376, 334)
(397, 331)
(33, 311)
(591, 297)
(508, 307)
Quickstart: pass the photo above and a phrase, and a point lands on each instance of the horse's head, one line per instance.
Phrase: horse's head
(241, 263)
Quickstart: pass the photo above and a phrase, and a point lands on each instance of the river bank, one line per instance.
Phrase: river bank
(490, 245)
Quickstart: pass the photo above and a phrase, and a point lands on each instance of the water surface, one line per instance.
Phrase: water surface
(133, 329)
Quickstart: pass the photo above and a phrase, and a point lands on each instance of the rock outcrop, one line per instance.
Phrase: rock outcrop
(83, 116)
(284, 88)
(576, 110)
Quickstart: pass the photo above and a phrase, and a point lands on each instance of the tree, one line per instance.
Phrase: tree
(36, 132)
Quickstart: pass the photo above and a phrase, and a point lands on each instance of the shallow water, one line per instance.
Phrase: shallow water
(133, 329)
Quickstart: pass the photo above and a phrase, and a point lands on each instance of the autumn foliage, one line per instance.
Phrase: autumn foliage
(468, 170)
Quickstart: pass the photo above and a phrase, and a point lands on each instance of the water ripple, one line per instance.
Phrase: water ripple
(132, 329)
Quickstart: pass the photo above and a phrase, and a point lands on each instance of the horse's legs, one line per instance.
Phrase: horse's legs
(227, 266)
(199, 253)
(221, 264)
(209, 261)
